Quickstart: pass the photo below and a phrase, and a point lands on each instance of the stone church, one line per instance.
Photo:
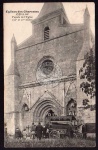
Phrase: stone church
(43, 77)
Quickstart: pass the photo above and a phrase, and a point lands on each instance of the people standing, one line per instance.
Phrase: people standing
(39, 130)
(24, 133)
(70, 131)
(47, 132)
(18, 133)
(33, 128)
(84, 131)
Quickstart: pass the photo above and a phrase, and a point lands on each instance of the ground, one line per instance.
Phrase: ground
(67, 142)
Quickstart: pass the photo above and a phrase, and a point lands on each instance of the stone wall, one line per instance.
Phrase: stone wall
(64, 50)
(61, 92)
(39, 28)
(9, 94)
(11, 102)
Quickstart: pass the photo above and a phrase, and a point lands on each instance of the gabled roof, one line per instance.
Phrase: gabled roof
(50, 7)
(27, 42)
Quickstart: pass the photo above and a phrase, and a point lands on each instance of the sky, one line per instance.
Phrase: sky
(23, 29)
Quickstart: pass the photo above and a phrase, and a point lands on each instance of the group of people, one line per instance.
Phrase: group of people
(38, 132)
(41, 131)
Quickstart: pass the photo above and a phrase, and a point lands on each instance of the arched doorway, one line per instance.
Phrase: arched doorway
(44, 108)
(49, 114)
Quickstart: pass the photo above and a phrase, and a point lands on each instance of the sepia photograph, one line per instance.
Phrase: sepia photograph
(49, 75)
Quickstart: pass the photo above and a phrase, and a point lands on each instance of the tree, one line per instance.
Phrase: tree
(85, 103)
(87, 72)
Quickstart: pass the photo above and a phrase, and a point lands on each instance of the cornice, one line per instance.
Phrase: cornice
(50, 39)
(34, 84)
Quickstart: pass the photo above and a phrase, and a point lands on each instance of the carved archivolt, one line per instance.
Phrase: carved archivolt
(45, 103)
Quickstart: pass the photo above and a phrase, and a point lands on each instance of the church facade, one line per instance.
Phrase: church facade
(43, 77)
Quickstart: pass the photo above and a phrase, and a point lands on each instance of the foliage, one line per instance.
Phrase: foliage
(87, 72)
(87, 105)
(85, 102)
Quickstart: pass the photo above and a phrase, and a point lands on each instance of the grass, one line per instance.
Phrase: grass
(12, 143)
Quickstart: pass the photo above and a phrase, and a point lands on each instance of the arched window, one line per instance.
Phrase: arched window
(46, 33)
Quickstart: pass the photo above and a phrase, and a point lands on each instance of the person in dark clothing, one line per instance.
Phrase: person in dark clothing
(33, 128)
(18, 133)
(70, 131)
(47, 133)
(84, 131)
(39, 130)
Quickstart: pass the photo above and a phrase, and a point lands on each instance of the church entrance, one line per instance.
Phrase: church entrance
(44, 109)
(48, 115)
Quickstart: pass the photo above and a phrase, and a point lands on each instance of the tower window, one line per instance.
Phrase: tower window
(46, 33)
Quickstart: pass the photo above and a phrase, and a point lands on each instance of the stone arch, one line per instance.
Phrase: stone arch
(43, 106)
(45, 103)
(24, 114)
(71, 92)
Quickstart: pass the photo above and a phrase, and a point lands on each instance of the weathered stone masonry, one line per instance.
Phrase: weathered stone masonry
(43, 73)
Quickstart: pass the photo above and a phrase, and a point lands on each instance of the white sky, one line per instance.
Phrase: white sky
(23, 29)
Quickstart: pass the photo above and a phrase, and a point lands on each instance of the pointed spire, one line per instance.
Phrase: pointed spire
(13, 39)
(86, 17)
(13, 43)
(86, 11)
(13, 66)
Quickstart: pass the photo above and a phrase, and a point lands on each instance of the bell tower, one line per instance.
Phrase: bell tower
(11, 91)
